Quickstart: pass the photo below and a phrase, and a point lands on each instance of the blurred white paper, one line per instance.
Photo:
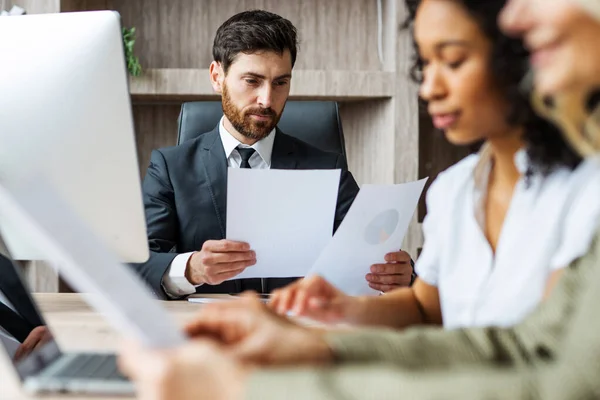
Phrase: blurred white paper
(87, 264)
(374, 226)
(209, 299)
(285, 215)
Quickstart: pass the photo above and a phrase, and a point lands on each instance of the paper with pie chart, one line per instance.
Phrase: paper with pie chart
(374, 226)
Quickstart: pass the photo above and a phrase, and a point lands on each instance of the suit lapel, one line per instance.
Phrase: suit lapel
(15, 291)
(215, 166)
(14, 324)
(284, 148)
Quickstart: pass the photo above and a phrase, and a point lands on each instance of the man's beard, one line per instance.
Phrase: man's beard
(243, 122)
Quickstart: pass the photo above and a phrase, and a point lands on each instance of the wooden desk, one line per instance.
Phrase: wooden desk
(76, 327)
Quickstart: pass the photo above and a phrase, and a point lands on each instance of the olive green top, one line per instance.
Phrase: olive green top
(553, 354)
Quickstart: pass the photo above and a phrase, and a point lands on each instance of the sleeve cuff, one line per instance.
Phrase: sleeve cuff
(174, 281)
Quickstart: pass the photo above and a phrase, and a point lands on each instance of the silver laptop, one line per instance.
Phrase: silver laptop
(46, 368)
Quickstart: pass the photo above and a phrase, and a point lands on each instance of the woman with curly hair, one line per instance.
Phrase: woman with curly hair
(501, 224)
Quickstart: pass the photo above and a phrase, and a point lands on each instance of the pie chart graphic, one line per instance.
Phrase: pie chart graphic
(382, 227)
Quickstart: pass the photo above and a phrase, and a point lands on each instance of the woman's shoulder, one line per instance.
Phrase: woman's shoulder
(588, 169)
(584, 181)
(584, 186)
(580, 217)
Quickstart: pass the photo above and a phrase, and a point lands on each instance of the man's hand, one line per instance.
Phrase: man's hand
(314, 297)
(218, 261)
(252, 333)
(197, 370)
(396, 273)
(36, 338)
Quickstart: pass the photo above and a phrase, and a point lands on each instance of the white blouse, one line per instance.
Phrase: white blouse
(550, 222)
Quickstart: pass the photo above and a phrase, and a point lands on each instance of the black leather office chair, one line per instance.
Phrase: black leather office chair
(314, 122)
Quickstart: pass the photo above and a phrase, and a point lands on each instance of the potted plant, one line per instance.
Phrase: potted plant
(133, 63)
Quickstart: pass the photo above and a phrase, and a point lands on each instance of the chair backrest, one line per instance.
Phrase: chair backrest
(314, 122)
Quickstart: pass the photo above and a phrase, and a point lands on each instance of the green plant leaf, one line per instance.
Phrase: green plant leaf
(133, 63)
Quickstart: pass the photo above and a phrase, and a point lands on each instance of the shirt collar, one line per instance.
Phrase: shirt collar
(484, 166)
(522, 162)
(263, 147)
(482, 176)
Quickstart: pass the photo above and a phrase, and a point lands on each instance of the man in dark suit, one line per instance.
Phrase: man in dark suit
(21, 327)
(185, 186)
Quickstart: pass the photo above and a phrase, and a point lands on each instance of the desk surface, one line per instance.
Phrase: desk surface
(76, 327)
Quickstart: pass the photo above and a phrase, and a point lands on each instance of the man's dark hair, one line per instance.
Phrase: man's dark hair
(252, 31)
(546, 146)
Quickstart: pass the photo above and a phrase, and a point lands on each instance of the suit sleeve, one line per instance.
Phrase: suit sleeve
(347, 192)
(12, 285)
(382, 382)
(162, 223)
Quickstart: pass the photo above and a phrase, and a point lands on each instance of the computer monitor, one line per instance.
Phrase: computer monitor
(69, 181)
(65, 114)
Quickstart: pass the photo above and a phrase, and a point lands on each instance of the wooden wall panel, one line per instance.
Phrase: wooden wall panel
(84, 5)
(172, 84)
(40, 276)
(33, 6)
(368, 129)
(155, 127)
(334, 34)
(406, 123)
(435, 155)
(390, 33)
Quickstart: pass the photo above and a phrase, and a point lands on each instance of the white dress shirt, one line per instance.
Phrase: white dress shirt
(550, 222)
(174, 281)
(10, 343)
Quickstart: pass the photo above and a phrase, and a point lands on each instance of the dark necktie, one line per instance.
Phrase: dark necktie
(250, 284)
(245, 153)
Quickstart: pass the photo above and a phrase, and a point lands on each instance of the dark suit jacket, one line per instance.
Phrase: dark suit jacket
(21, 323)
(185, 194)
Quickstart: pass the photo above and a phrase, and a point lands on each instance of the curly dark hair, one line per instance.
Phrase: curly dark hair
(251, 31)
(546, 146)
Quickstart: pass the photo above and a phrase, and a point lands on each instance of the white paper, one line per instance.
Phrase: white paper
(210, 300)
(285, 215)
(87, 264)
(203, 300)
(374, 226)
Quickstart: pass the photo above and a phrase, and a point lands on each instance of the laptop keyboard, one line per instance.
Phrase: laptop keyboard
(96, 366)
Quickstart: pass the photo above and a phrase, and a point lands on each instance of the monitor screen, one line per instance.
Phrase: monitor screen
(23, 332)
(67, 117)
